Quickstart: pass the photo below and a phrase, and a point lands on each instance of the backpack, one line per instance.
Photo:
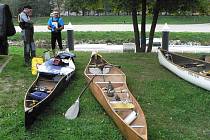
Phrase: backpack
(21, 24)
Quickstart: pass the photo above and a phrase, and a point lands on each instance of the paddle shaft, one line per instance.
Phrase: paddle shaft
(86, 86)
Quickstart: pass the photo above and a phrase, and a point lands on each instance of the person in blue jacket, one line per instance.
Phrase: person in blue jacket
(56, 24)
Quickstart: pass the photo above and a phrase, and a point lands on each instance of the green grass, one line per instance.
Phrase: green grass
(3, 58)
(174, 108)
(123, 20)
(118, 37)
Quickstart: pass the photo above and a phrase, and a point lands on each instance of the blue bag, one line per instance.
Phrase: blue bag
(38, 95)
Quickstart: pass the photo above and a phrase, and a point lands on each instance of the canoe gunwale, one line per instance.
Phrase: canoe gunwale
(191, 76)
(187, 68)
(95, 87)
(31, 113)
(49, 94)
(114, 112)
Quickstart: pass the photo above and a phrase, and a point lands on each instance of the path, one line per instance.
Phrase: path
(129, 27)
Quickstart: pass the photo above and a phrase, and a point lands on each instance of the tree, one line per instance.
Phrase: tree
(171, 5)
(135, 25)
(119, 6)
(135, 7)
(143, 26)
(153, 26)
(56, 4)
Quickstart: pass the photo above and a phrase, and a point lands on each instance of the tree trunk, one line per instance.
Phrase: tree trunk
(68, 11)
(143, 26)
(83, 12)
(153, 26)
(135, 25)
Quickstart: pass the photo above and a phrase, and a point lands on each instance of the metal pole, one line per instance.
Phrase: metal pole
(165, 37)
(165, 40)
(70, 39)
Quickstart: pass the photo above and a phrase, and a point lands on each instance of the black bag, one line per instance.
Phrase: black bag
(6, 24)
(10, 30)
(2, 22)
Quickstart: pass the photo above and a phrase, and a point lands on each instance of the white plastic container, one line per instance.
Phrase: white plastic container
(47, 55)
(131, 117)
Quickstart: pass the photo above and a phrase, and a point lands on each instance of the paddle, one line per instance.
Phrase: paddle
(73, 111)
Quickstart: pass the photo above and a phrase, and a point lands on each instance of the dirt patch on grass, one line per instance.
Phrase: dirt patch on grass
(4, 61)
(12, 92)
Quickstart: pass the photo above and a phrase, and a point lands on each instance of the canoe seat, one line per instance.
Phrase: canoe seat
(137, 126)
(121, 105)
(190, 65)
(200, 65)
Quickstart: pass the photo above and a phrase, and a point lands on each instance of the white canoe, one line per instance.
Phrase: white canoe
(194, 71)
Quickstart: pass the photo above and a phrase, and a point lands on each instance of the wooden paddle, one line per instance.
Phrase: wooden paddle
(73, 111)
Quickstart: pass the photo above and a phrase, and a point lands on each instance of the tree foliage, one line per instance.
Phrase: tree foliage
(44, 7)
(181, 6)
(133, 7)
(40, 7)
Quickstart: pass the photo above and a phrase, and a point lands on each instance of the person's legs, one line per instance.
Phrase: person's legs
(32, 44)
(59, 39)
(33, 50)
(53, 40)
(26, 39)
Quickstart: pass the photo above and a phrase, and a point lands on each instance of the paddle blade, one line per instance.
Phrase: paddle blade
(73, 111)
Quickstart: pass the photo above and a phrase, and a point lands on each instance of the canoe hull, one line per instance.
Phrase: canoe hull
(32, 113)
(188, 75)
(128, 133)
(118, 80)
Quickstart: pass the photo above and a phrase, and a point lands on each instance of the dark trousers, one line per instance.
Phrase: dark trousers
(56, 36)
(4, 46)
(29, 45)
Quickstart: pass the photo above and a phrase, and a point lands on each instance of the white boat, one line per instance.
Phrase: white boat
(192, 70)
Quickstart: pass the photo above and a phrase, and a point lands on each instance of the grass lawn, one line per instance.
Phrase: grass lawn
(118, 37)
(174, 108)
(3, 58)
(123, 20)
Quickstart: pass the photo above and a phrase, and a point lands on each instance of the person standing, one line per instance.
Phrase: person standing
(26, 25)
(56, 25)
